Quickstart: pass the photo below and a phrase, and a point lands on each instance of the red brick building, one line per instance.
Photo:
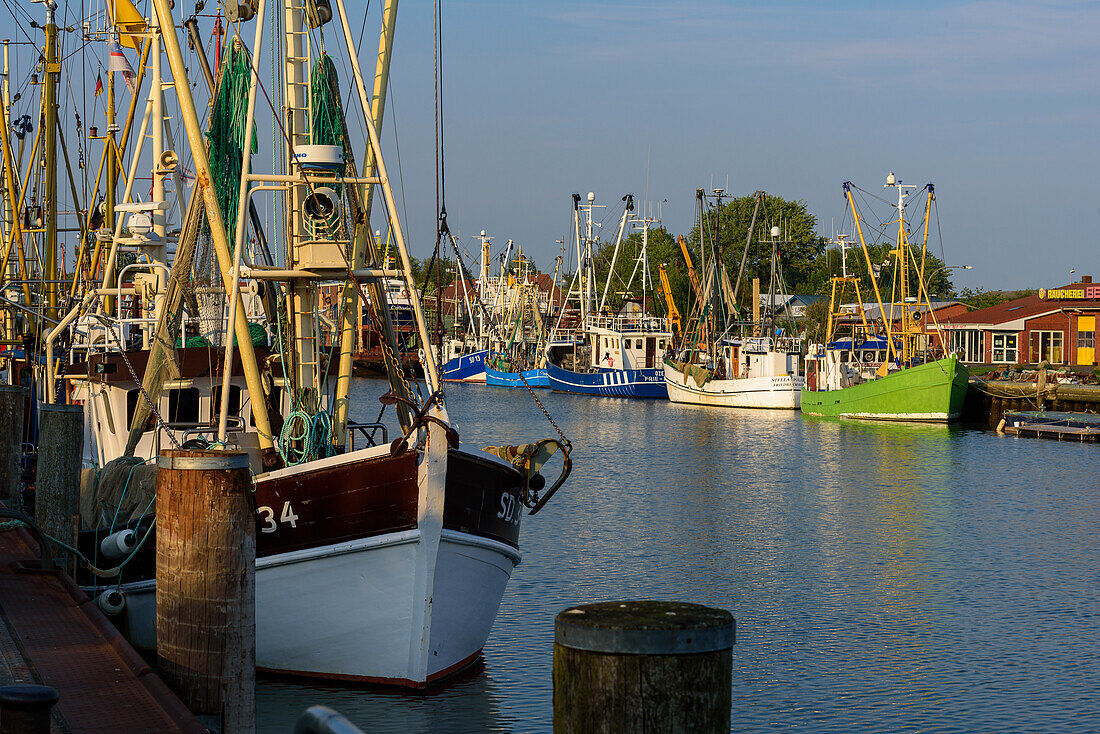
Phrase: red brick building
(1057, 325)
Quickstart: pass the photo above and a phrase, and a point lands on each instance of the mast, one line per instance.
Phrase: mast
(49, 113)
(901, 253)
(870, 268)
(629, 199)
(718, 325)
(482, 284)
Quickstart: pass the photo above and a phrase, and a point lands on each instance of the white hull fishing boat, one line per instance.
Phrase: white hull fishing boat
(717, 367)
(382, 564)
(778, 387)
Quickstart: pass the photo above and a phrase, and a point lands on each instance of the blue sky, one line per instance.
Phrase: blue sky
(996, 102)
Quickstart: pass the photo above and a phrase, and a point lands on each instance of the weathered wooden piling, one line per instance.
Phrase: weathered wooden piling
(643, 666)
(11, 439)
(206, 587)
(57, 480)
(25, 709)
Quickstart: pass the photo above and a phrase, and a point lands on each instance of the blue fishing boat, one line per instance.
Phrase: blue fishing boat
(591, 350)
(641, 383)
(469, 367)
(534, 378)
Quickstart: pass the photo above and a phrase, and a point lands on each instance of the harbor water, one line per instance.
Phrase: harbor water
(884, 577)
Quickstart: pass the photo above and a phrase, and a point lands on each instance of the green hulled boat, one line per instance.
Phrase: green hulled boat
(887, 367)
(929, 392)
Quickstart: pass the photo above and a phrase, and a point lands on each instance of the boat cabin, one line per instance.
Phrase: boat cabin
(846, 362)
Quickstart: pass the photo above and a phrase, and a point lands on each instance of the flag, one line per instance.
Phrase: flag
(129, 20)
(120, 65)
(98, 85)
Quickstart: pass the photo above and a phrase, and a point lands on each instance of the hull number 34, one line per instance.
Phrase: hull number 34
(268, 516)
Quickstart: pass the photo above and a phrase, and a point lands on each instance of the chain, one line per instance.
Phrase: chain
(130, 368)
(477, 296)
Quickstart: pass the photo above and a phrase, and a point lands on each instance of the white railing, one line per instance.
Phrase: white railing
(628, 323)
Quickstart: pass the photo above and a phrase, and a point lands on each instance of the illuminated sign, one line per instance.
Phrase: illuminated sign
(1066, 294)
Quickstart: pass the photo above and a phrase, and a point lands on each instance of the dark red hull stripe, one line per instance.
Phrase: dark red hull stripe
(364, 499)
(375, 680)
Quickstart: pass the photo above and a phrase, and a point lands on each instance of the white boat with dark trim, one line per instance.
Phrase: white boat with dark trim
(762, 374)
(383, 563)
(724, 361)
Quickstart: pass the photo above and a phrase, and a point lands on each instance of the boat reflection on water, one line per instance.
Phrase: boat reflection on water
(469, 702)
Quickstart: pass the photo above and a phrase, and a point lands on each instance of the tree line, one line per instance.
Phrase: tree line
(806, 261)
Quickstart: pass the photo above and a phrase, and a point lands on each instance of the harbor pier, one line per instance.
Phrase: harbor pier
(54, 635)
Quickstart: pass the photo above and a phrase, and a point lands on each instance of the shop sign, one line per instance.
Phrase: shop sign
(1067, 294)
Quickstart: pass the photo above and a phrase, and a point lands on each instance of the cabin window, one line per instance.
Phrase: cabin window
(1004, 348)
(1046, 345)
(216, 401)
(638, 344)
(660, 343)
(132, 398)
(183, 406)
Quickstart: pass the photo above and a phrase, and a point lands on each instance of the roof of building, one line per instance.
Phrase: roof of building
(1012, 314)
(782, 300)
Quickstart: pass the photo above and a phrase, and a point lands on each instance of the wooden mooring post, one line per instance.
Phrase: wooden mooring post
(643, 666)
(206, 585)
(57, 478)
(11, 443)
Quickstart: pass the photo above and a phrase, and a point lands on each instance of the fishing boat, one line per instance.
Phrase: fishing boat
(509, 376)
(724, 361)
(464, 363)
(520, 358)
(610, 355)
(381, 562)
(465, 353)
(885, 369)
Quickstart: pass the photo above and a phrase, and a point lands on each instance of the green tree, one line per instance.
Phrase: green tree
(981, 298)
(798, 245)
(937, 278)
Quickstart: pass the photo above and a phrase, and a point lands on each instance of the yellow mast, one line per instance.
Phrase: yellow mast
(49, 111)
(870, 269)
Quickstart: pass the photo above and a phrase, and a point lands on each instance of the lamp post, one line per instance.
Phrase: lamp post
(945, 267)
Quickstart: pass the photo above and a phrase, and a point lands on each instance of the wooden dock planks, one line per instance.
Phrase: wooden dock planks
(58, 637)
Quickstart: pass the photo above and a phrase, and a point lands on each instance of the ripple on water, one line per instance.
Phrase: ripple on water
(884, 578)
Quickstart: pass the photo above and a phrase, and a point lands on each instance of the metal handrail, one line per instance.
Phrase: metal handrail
(235, 425)
(362, 428)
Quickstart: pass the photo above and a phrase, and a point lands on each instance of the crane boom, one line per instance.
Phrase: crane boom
(692, 276)
(673, 312)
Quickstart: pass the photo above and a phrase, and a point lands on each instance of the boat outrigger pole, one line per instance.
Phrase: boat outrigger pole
(217, 227)
(362, 242)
